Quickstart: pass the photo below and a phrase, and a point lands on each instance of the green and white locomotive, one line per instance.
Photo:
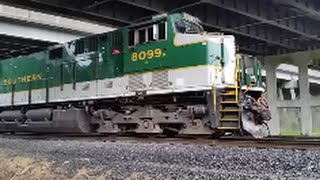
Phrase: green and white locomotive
(164, 75)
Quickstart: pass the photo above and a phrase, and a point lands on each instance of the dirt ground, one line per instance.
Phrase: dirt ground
(14, 167)
(23, 168)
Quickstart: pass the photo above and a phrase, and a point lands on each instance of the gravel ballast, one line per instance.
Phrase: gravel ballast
(126, 160)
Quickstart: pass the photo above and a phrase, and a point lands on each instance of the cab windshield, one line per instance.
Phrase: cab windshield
(187, 27)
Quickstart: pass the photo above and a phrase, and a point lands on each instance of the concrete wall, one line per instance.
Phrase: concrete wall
(301, 115)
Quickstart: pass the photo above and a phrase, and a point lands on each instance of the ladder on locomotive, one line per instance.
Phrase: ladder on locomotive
(229, 110)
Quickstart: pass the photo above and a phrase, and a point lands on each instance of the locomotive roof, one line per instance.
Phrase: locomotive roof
(142, 22)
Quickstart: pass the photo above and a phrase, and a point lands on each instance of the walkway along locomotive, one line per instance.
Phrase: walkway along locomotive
(164, 75)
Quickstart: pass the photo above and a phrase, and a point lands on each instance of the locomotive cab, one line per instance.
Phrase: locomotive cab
(242, 72)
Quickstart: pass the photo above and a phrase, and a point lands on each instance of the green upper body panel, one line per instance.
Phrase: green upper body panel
(23, 72)
(164, 42)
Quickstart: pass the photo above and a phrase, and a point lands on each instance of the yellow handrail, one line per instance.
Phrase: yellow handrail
(237, 77)
(214, 98)
(214, 91)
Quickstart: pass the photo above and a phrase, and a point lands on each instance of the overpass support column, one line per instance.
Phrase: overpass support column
(272, 98)
(306, 115)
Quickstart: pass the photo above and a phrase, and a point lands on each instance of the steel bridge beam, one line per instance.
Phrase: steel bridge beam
(260, 15)
(96, 4)
(310, 8)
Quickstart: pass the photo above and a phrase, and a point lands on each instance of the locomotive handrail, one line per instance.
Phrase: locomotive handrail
(237, 70)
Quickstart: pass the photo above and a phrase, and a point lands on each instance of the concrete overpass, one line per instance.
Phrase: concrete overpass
(23, 31)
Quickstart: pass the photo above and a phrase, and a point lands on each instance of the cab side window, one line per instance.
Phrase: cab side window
(142, 36)
(162, 31)
(149, 33)
(131, 38)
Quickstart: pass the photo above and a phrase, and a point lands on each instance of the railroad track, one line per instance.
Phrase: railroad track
(270, 142)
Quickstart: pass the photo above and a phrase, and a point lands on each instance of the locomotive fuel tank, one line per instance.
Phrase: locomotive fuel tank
(46, 120)
(40, 114)
(12, 116)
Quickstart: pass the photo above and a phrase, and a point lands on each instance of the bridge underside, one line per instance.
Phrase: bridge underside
(264, 27)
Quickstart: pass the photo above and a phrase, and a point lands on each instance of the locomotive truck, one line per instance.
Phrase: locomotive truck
(163, 75)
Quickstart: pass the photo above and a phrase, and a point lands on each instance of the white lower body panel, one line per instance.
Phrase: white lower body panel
(196, 78)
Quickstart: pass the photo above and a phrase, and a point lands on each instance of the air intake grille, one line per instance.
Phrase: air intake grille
(136, 82)
(160, 79)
